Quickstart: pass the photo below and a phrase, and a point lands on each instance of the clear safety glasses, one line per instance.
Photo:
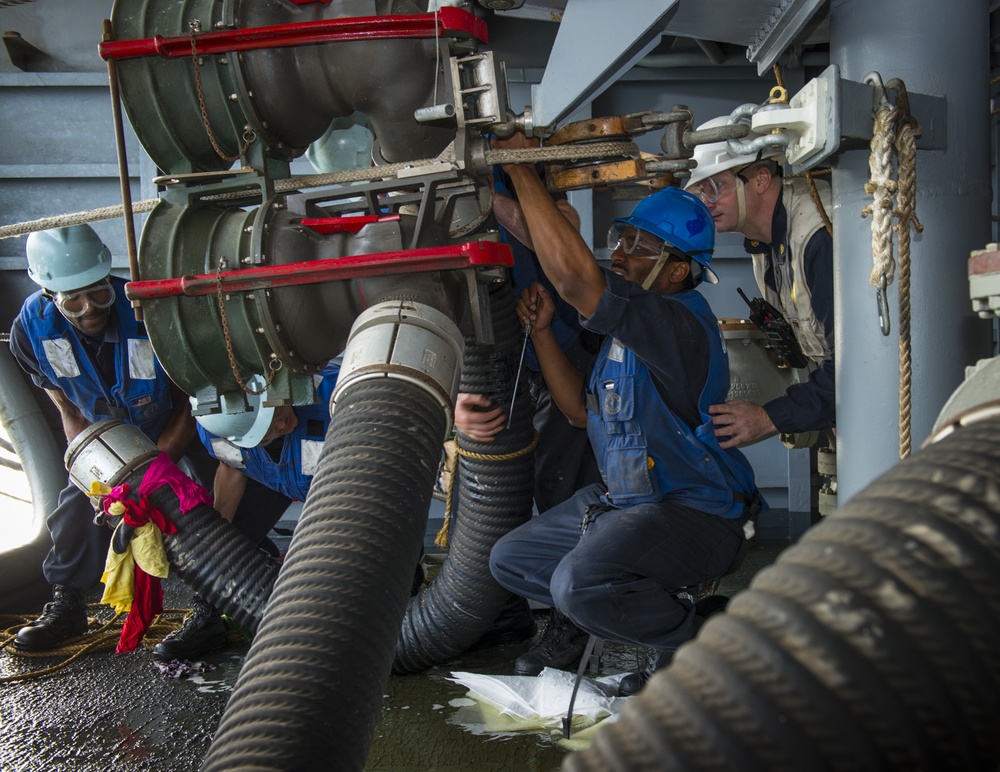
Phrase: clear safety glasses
(711, 189)
(75, 304)
(630, 240)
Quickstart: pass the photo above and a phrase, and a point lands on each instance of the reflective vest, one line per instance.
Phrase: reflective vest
(140, 394)
(292, 473)
(645, 451)
(794, 299)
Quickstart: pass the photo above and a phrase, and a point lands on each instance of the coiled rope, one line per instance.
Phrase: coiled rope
(503, 156)
(895, 133)
(451, 464)
(102, 636)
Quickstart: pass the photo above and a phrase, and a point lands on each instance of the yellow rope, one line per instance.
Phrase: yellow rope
(809, 175)
(907, 131)
(101, 637)
(777, 75)
(441, 540)
(895, 132)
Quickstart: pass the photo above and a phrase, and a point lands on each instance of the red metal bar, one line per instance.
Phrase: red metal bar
(344, 224)
(445, 258)
(446, 20)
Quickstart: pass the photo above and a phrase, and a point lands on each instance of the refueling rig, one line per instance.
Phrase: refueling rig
(245, 274)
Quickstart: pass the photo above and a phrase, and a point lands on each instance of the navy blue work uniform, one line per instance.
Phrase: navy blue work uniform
(810, 405)
(287, 464)
(564, 460)
(115, 375)
(671, 515)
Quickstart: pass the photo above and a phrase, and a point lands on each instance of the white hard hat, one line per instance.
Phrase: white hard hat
(715, 157)
(244, 429)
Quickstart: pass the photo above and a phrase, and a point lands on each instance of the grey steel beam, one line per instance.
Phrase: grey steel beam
(595, 44)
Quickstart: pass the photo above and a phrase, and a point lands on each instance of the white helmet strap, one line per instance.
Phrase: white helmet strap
(741, 203)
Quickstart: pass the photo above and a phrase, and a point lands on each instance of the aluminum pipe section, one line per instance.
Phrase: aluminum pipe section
(405, 341)
(756, 372)
(109, 452)
(977, 398)
(209, 555)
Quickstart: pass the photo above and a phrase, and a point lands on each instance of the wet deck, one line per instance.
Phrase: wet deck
(107, 711)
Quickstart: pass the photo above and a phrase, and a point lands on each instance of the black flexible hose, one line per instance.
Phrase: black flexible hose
(494, 495)
(309, 695)
(218, 561)
(872, 644)
(213, 558)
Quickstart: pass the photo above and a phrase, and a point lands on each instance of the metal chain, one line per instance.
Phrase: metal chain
(248, 136)
(273, 366)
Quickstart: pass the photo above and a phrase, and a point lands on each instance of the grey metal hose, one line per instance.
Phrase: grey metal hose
(872, 644)
(310, 692)
(494, 495)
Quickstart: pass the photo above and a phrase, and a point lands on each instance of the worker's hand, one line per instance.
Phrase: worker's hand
(481, 424)
(537, 307)
(738, 423)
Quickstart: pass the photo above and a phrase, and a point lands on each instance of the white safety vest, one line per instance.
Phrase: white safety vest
(794, 299)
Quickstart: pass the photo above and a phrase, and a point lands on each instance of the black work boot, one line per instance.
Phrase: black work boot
(63, 618)
(203, 631)
(560, 646)
(633, 683)
(514, 623)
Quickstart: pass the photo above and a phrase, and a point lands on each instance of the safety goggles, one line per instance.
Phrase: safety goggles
(710, 189)
(74, 304)
(630, 241)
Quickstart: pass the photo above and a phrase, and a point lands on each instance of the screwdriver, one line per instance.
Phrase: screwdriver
(520, 364)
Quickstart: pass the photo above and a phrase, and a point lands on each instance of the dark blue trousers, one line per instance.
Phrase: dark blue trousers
(616, 579)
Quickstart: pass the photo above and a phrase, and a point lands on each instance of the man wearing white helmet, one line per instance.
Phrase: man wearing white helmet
(78, 339)
(792, 256)
(671, 508)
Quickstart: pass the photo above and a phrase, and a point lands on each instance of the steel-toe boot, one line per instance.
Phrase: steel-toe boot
(514, 623)
(560, 646)
(633, 683)
(203, 631)
(63, 618)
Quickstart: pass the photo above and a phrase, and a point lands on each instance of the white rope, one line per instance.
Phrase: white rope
(526, 155)
(882, 187)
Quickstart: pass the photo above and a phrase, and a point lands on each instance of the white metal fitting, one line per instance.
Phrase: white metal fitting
(410, 342)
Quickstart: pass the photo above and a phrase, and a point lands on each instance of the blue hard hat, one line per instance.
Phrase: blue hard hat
(680, 219)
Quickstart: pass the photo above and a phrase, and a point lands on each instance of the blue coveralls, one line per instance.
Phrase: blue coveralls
(290, 470)
(672, 513)
(56, 356)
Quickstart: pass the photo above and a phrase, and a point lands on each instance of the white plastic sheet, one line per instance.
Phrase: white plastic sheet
(539, 704)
